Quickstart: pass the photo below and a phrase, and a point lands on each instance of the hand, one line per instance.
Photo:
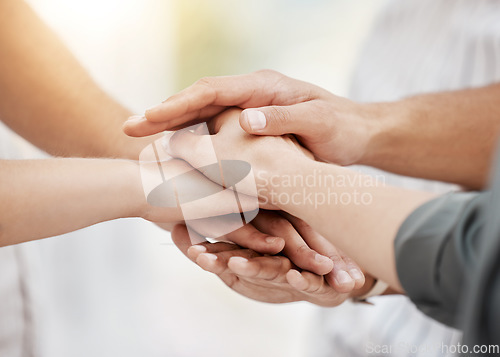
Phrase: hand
(334, 129)
(295, 239)
(268, 156)
(264, 278)
(174, 191)
(271, 233)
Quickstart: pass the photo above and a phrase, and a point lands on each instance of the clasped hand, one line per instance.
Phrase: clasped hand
(308, 267)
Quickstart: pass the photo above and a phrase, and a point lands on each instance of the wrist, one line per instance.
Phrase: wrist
(132, 191)
(383, 122)
(116, 144)
(287, 184)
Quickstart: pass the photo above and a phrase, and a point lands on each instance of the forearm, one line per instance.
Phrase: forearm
(48, 98)
(353, 211)
(447, 136)
(43, 198)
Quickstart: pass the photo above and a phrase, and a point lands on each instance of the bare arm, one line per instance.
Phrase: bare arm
(43, 198)
(353, 211)
(360, 219)
(447, 136)
(49, 99)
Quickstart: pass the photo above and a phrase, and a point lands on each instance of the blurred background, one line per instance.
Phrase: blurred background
(122, 288)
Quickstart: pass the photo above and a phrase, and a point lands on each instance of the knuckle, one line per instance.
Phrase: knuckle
(313, 285)
(256, 236)
(273, 276)
(316, 288)
(303, 249)
(353, 266)
(304, 228)
(275, 273)
(337, 260)
(205, 88)
(349, 262)
(278, 225)
(279, 116)
(284, 264)
(205, 82)
(268, 73)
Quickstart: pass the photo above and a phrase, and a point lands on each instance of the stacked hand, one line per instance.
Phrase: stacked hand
(276, 279)
(333, 128)
(299, 273)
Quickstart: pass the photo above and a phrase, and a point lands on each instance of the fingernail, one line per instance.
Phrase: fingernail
(136, 119)
(198, 248)
(271, 240)
(239, 260)
(343, 277)
(209, 256)
(321, 258)
(355, 274)
(256, 119)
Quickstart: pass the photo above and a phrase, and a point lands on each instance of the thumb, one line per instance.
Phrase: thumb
(276, 120)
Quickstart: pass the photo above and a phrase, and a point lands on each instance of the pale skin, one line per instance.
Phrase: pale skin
(29, 184)
(49, 99)
(56, 196)
(272, 279)
(447, 136)
(351, 227)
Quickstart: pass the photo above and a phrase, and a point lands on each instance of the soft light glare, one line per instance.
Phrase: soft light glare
(90, 12)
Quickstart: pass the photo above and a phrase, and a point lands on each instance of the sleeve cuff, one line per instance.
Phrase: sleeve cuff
(432, 248)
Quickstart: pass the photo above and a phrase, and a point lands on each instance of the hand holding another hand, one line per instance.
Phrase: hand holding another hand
(276, 279)
(333, 128)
